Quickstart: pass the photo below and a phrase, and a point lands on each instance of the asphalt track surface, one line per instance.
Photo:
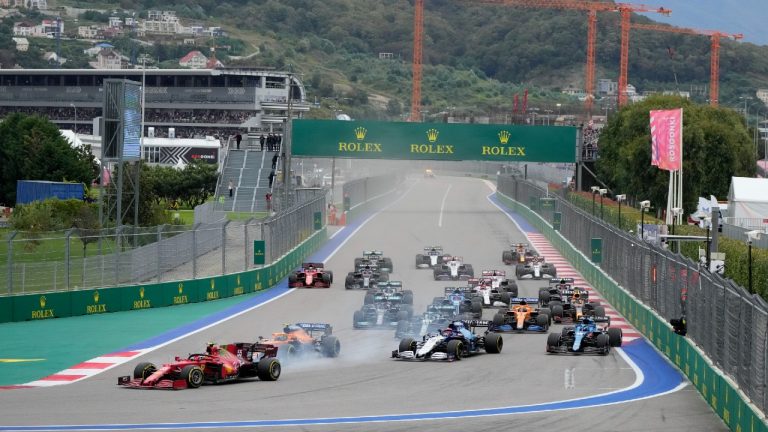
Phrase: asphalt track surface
(364, 389)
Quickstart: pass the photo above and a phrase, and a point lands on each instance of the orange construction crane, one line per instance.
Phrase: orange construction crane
(591, 7)
(714, 61)
(418, 37)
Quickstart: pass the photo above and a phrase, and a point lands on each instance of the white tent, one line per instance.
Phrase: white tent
(748, 198)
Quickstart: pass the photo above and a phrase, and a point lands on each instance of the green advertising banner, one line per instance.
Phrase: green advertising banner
(433, 141)
(596, 246)
(259, 252)
(6, 309)
(318, 219)
(557, 219)
(43, 306)
(547, 203)
(90, 302)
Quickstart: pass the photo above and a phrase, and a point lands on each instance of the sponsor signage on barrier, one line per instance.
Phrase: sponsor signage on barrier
(547, 203)
(557, 219)
(92, 302)
(41, 306)
(259, 252)
(596, 246)
(318, 220)
(6, 309)
(433, 141)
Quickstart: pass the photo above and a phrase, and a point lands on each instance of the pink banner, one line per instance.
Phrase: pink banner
(667, 139)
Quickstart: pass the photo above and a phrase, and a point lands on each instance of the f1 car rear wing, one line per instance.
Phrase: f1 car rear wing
(562, 281)
(473, 282)
(373, 253)
(519, 245)
(327, 328)
(518, 300)
(486, 273)
(479, 323)
(463, 290)
(430, 248)
(315, 265)
(606, 320)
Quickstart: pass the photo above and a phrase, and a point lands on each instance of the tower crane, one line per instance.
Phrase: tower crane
(592, 8)
(714, 61)
(418, 37)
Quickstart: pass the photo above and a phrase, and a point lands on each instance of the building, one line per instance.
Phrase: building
(115, 22)
(161, 22)
(22, 44)
(88, 32)
(29, 4)
(108, 59)
(50, 27)
(53, 58)
(24, 29)
(194, 59)
(762, 94)
(606, 87)
(192, 102)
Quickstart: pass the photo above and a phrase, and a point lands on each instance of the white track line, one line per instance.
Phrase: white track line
(442, 206)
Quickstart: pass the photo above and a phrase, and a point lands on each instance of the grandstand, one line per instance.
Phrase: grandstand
(187, 103)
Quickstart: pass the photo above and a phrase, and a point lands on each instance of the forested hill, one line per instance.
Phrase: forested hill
(514, 45)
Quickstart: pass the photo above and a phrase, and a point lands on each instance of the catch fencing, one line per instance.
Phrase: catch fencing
(81, 259)
(728, 324)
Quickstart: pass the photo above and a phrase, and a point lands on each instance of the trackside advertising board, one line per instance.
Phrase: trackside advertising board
(433, 141)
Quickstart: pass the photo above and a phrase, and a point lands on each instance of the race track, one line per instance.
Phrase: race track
(450, 211)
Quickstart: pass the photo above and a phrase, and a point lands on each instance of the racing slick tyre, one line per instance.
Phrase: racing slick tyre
(402, 315)
(408, 309)
(543, 296)
(507, 257)
(557, 311)
(437, 300)
(327, 278)
(498, 319)
(287, 351)
(292, 280)
(383, 277)
(349, 282)
(407, 297)
(388, 264)
(456, 348)
(512, 290)
(402, 328)
(548, 313)
(269, 369)
(331, 346)
(542, 320)
(469, 270)
(493, 343)
(553, 341)
(505, 298)
(602, 341)
(419, 260)
(193, 376)
(356, 318)
(614, 337)
(477, 307)
(368, 299)
(600, 311)
(143, 370)
(519, 269)
(407, 344)
(358, 262)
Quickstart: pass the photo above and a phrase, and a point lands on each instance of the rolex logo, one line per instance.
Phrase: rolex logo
(181, 287)
(238, 280)
(42, 302)
(95, 296)
(213, 284)
(360, 133)
(504, 137)
(432, 135)
(141, 292)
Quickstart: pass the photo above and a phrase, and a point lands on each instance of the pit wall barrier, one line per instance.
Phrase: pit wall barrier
(147, 296)
(369, 194)
(720, 392)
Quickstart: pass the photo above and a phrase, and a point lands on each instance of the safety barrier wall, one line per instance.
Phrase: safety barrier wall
(724, 396)
(145, 296)
(367, 194)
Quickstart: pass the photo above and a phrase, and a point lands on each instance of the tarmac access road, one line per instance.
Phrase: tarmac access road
(631, 389)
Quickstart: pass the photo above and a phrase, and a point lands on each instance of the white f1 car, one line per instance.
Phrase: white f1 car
(454, 269)
(432, 257)
(537, 268)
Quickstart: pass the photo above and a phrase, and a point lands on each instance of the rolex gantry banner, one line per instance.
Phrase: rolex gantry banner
(433, 141)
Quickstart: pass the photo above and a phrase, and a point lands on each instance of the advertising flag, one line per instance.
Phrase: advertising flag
(667, 139)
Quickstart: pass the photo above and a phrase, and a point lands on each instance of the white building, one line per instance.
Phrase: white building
(29, 4)
(195, 60)
(115, 22)
(108, 59)
(88, 32)
(22, 44)
(606, 87)
(24, 29)
(161, 22)
(762, 94)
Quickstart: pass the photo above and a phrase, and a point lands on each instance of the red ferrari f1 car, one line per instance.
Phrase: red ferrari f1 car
(311, 275)
(217, 365)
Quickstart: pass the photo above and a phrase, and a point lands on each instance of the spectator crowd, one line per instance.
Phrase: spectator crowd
(590, 136)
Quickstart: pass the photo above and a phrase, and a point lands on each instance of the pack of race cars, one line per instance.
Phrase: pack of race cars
(451, 328)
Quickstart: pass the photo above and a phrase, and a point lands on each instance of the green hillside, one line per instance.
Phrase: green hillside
(476, 56)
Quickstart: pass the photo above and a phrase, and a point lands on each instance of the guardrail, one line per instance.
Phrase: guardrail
(726, 349)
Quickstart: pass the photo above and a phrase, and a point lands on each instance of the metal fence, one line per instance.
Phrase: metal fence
(128, 255)
(724, 320)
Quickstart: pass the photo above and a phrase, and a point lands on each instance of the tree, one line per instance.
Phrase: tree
(716, 146)
(33, 149)
(86, 225)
